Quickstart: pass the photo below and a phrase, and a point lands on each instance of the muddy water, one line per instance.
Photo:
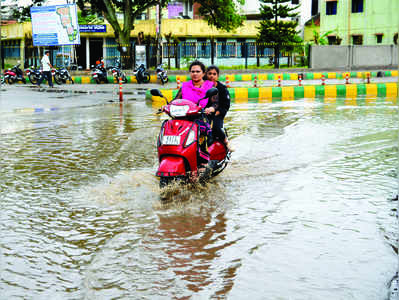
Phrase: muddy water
(302, 212)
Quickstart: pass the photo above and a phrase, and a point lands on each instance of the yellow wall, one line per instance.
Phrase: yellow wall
(178, 27)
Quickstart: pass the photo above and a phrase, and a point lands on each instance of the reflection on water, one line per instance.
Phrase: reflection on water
(302, 212)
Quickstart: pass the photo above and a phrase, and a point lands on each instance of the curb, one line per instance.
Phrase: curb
(111, 79)
(259, 76)
(294, 76)
(300, 92)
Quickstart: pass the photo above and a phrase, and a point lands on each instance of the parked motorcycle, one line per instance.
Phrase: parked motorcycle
(162, 74)
(99, 74)
(179, 151)
(33, 74)
(142, 76)
(14, 74)
(62, 75)
(118, 73)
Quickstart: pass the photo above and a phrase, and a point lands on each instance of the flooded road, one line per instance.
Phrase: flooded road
(303, 211)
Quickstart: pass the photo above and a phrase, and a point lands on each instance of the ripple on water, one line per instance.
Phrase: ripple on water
(301, 210)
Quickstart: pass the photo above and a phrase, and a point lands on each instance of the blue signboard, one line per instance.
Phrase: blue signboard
(92, 28)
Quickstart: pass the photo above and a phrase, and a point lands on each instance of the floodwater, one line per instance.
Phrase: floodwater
(304, 210)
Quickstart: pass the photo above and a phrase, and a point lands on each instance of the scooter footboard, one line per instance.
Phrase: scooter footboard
(171, 166)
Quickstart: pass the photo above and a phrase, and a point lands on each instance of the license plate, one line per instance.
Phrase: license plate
(171, 140)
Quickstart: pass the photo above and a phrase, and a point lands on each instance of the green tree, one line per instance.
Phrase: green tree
(275, 30)
(129, 10)
(22, 13)
(89, 19)
(221, 14)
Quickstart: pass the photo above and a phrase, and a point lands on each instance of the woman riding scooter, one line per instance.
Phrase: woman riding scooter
(195, 90)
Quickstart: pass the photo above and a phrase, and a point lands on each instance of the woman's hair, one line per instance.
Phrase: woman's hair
(197, 63)
(213, 67)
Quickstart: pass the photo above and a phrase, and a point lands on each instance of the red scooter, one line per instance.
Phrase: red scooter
(14, 75)
(181, 158)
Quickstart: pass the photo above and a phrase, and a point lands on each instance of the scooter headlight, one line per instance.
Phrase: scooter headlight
(178, 110)
(190, 138)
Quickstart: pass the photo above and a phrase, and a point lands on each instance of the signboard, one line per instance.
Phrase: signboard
(55, 25)
(175, 10)
(140, 55)
(92, 28)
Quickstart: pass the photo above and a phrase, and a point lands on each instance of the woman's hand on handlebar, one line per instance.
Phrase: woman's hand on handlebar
(209, 110)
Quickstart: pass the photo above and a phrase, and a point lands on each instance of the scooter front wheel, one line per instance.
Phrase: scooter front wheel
(10, 80)
(167, 181)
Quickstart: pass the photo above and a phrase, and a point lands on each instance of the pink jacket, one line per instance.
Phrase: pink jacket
(190, 92)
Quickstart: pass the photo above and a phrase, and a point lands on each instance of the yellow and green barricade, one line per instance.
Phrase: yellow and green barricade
(300, 92)
(260, 76)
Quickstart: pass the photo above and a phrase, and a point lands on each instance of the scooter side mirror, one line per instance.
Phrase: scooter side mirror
(156, 92)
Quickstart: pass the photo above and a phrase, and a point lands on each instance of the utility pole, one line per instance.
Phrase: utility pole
(158, 32)
(349, 22)
(277, 47)
(1, 50)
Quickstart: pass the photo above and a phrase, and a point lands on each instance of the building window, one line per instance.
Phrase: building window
(241, 47)
(379, 38)
(315, 7)
(357, 39)
(332, 40)
(222, 47)
(331, 8)
(357, 6)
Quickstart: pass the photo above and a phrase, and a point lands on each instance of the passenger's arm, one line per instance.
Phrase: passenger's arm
(224, 102)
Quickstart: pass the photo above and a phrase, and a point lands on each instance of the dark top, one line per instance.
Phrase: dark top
(224, 99)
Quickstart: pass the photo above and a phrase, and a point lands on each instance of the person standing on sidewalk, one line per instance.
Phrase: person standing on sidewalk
(46, 67)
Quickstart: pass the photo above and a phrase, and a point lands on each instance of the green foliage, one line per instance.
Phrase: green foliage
(22, 13)
(89, 19)
(276, 29)
(223, 14)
